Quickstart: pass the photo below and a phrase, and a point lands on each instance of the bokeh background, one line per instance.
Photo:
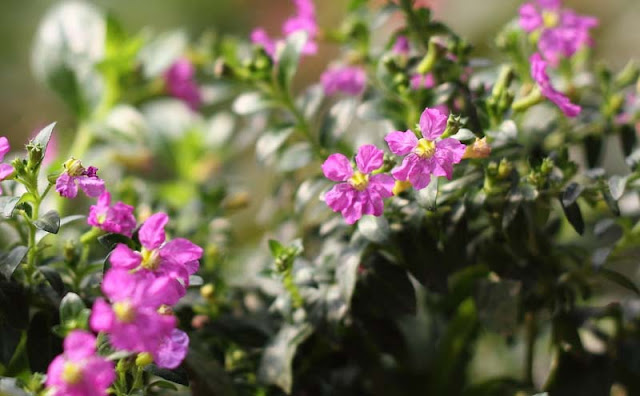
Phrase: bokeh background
(25, 105)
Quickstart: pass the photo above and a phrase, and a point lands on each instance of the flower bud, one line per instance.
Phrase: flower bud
(504, 169)
(478, 149)
(207, 291)
(144, 359)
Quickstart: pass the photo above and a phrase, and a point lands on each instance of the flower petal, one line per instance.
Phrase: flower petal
(79, 344)
(66, 186)
(172, 350)
(401, 143)
(125, 258)
(152, 231)
(369, 158)
(383, 184)
(337, 167)
(92, 186)
(433, 122)
(4, 147)
(5, 171)
(339, 197)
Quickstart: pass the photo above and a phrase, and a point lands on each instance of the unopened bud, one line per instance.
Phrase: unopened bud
(207, 291)
(199, 321)
(504, 169)
(144, 359)
(478, 149)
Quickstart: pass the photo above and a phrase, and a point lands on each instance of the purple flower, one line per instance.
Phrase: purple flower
(78, 371)
(6, 170)
(76, 175)
(426, 156)
(132, 320)
(539, 74)
(172, 350)
(561, 32)
(180, 83)
(304, 19)
(349, 80)
(422, 81)
(117, 218)
(401, 46)
(175, 259)
(361, 193)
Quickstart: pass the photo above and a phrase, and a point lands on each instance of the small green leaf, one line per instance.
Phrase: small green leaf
(574, 215)
(571, 193)
(195, 280)
(619, 279)
(163, 385)
(178, 376)
(628, 138)
(250, 103)
(593, 148)
(270, 141)
(53, 277)
(295, 157)
(43, 137)
(10, 261)
(49, 222)
(110, 241)
(375, 229)
(8, 205)
(617, 185)
(289, 58)
(71, 308)
(276, 248)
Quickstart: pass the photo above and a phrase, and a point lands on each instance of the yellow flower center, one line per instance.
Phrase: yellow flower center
(124, 311)
(101, 218)
(359, 180)
(425, 148)
(400, 186)
(550, 19)
(150, 259)
(71, 373)
(74, 167)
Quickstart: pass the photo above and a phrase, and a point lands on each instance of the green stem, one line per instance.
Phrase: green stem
(528, 101)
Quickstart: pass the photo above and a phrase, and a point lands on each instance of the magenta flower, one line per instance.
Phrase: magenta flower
(6, 170)
(117, 218)
(401, 45)
(76, 175)
(132, 320)
(180, 83)
(422, 81)
(304, 19)
(172, 350)
(426, 156)
(78, 371)
(539, 74)
(349, 80)
(561, 32)
(175, 259)
(361, 193)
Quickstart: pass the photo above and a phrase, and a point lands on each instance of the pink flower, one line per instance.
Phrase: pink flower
(6, 170)
(349, 80)
(172, 350)
(361, 193)
(401, 46)
(76, 175)
(180, 83)
(78, 371)
(539, 74)
(426, 156)
(304, 19)
(422, 81)
(562, 31)
(175, 259)
(117, 218)
(132, 320)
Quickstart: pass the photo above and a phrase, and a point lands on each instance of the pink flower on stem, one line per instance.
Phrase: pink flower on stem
(117, 218)
(401, 45)
(132, 320)
(350, 80)
(303, 20)
(361, 193)
(422, 81)
(179, 80)
(426, 156)
(76, 175)
(173, 349)
(539, 74)
(6, 170)
(562, 32)
(79, 371)
(175, 259)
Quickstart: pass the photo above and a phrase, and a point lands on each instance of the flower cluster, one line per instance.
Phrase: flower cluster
(303, 20)
(180, 83)
(75, 175)
(362, 192)
(5, 169)
(561, 31)
(118, 218)
(350, 80)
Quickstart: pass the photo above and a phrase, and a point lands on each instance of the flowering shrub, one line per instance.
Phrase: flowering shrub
(488, 229)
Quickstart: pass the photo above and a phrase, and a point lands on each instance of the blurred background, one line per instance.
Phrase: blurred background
(25, 105)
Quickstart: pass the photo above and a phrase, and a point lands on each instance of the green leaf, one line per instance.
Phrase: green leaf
(43, 137)
(574, 215)
(610, 201)
(427, 197)
(110, 241)
(53, 277)
(163, 385)
(619, 279)
(270, 141)
(276, 248)
(250, 103)
(277, 358)
(289, 58)
(336, 122)
(593, 148)
(9, 340)
(71, 308)
(571, 193)
(628, 138)
(8, 205)
(375, 229)
(617, 185)
(64, 221)
(178, 376)
(49, 222)
(10, 261)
